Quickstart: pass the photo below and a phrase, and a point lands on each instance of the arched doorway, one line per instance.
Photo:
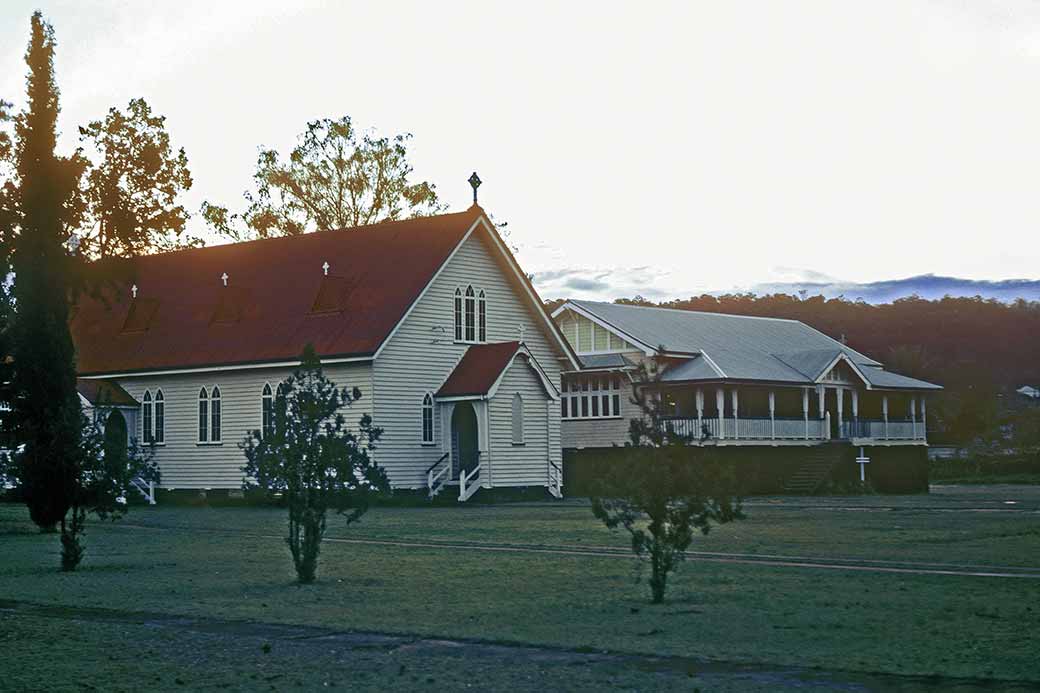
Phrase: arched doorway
(463, 438)
(115, 434)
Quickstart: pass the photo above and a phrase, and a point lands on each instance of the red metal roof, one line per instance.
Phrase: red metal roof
(478, 370)
(276, 302)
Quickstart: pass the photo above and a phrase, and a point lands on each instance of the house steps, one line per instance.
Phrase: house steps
(814, 471)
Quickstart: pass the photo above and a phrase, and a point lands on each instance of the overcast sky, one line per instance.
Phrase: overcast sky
(656, 148)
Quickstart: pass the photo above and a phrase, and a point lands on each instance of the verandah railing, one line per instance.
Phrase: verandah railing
(791, 428)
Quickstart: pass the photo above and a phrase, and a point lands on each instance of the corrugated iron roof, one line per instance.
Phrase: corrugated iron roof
(744, 348)
(277, 298)
(594, 361)
(886, 379)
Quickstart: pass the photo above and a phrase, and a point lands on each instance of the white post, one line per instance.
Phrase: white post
(720, 404)
(855, 413)
(862, 460)
(913, 417)
(772, 414)
(736, 432)
(805, 410)
(821, 394)
(700, 411)
(839, 393)
(884, 413)
(827, 426)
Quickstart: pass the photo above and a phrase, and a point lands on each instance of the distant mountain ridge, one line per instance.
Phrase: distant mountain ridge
(927, 286)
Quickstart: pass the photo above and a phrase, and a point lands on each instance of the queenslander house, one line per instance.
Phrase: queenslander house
(791, 404)
(431, 318)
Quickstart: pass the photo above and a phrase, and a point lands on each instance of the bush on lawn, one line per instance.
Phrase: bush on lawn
(661, 494)
(311, 461)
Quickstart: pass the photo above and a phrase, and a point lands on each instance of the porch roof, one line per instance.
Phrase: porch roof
(107, 393)
(885, 380)
(597, 361)
(479, 371)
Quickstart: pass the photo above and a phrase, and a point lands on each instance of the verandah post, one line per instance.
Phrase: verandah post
(805, 410)
(720, 405)
(913, 417)
(736, 430)
(840, 394)
(772, 414)
(884, 413)
(700, 411)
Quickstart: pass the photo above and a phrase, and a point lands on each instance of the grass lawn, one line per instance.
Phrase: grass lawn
(230, 563)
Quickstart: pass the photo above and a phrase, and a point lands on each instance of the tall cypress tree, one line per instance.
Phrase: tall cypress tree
(45, 404)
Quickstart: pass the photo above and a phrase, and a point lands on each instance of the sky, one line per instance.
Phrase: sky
(651, 148)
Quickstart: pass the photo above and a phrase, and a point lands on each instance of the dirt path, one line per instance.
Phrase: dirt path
(710, 674)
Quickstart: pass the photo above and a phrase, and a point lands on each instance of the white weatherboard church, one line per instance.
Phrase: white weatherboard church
(431, 318)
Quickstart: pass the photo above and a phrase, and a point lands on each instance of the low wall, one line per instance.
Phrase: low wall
(764, 470)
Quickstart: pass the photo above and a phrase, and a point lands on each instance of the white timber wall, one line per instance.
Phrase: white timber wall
(602, 432)
(526, 464)
(186, 463)
(422, 353)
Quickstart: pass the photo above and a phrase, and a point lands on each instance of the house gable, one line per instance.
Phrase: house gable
(589, 336)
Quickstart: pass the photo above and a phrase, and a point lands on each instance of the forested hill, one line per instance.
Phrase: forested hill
(960, 343)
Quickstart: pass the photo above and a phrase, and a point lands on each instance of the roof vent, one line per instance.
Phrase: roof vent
(232, 306)
(142, 313)
(333, 295)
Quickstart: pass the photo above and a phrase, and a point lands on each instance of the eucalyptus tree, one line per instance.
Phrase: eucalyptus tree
(131, 186)
(334, 178)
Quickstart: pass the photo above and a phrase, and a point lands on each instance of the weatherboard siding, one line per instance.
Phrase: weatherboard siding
(419, 357)
(601, 433)
(183, 462)
(526, 464)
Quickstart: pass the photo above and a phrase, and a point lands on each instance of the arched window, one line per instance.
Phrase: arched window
(146, 417)
(214, 406)
(160, 418)
(203, 416)
(471, 315)
(518, 419)
(267, 411)
(481, 316)
(427, 418)
(458, 315)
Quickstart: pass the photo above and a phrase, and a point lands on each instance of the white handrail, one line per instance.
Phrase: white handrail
(464, 476)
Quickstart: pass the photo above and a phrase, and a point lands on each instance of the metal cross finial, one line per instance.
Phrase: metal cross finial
(325, 268)
(474, 182)
(224, 278)
(133, 291)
